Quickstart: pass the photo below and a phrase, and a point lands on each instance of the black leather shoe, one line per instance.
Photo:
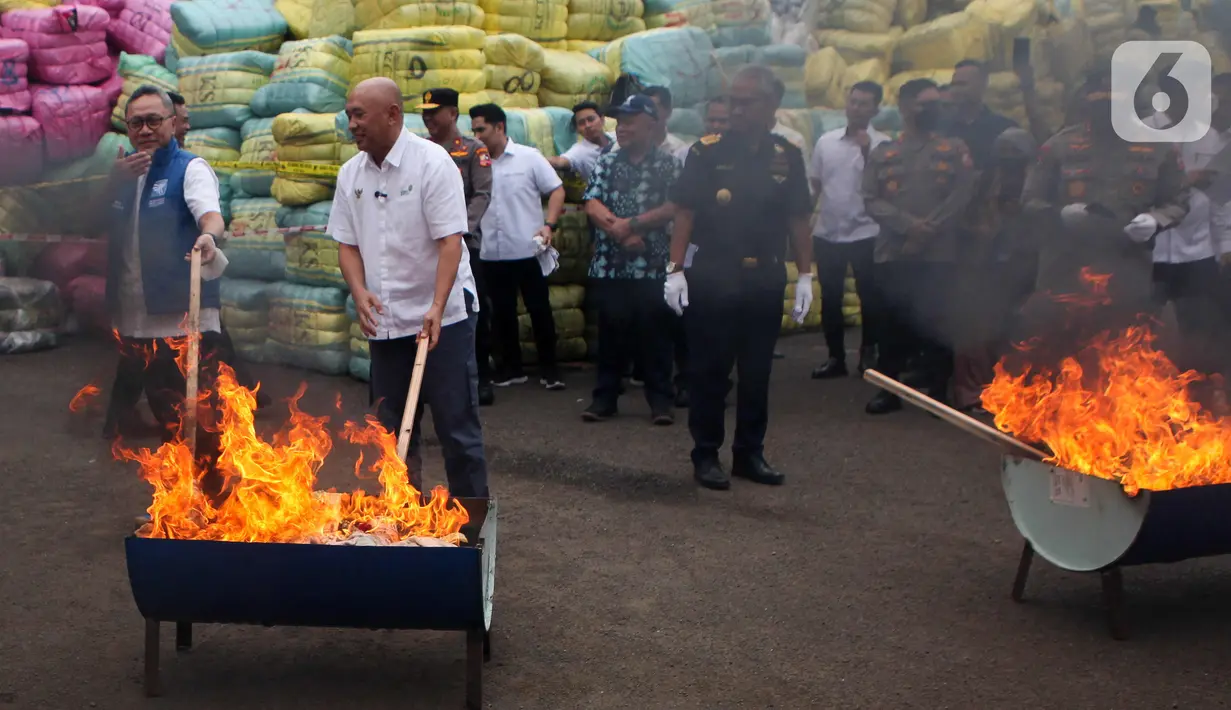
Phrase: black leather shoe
(681, 398)
(598, 413)
(662, 416)
(757, 470)
(487, 394)
(710, 475)
(832, 369)
(867, 359)
(883, 403)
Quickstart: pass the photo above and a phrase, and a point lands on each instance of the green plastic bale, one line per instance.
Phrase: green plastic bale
(255, 252)
(360, 368)
(570, 323)
(245, 294)
(309, 317)
(567, 350)
(561, 297)
(257, 146)
(248, 336)
(252, 352)
(312, 260)
(234, 318)
(312, 74)
(329, 362)
(573, 270)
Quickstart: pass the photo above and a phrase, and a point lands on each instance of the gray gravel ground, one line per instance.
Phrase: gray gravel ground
(878, 577)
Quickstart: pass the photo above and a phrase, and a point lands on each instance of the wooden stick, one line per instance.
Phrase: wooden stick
(412, 399)
(193, 367)
(962, 421)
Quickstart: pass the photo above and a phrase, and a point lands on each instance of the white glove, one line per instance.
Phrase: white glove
(1142, 228)
(539, 245)
(1073, 214)
(675, 292)
(803, 298)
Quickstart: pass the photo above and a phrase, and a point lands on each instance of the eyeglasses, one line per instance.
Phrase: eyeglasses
(153, 122)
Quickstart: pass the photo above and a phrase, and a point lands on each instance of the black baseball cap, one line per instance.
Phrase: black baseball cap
(438, 98)
(635, 104)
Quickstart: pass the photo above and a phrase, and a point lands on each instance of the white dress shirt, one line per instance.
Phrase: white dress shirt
(395, 213)
(201, 194)
(837, 164)
(521, 176)
(1203, 233)
(583, 156)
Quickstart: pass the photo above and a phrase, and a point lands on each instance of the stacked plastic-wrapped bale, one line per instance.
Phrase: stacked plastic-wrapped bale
(544, 21)
(514, 66)
(572, 77)
(309, 328)
(592, 23)
(567, 301)
(257, 145)
(424, 58)
(138, 70)
(21, 136)
(311, 254)
(1108, 22)
(739, 22)
(310, 74)
(943, 42)
(680, 13)
(863, 34)
(785, 60)
(412, 121)
(405, 14)
(73, 119)
(217, 145)
(205, 27)
(311, 138)
(679, 58)
(360, 364)
(310, 19)
(142, 27)
(245, 311)
(255, 247)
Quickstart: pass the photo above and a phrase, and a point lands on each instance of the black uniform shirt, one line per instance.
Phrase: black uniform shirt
(980, 134)
(743, 202)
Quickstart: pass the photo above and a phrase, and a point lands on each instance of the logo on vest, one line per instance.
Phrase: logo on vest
(159, 189)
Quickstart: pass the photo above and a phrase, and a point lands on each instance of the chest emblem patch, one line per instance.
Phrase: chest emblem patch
(407, 190)
(358, 192)
(159, 189)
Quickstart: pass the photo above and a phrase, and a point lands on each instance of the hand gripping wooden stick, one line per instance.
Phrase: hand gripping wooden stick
(962, 421)
(192, 369)
(412, 399)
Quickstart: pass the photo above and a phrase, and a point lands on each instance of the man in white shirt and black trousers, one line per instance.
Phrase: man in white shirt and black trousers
(514, 234)
(399, 213)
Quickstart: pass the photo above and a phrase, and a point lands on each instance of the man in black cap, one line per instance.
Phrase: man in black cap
(440, 117)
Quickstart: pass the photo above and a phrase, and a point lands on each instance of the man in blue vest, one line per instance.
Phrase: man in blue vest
(165, 205)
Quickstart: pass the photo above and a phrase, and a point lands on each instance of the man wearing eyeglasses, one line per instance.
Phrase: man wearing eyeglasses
(165, 206)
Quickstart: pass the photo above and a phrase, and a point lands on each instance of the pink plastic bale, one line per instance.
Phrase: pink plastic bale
(14, 91)
(65, 19)
(21, 144)
(113, 7)
(112, 88)
(74, 118)
(88, 296)
(68, 44)
(143, 27)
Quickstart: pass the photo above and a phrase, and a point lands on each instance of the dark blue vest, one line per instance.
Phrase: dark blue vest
(167, 232)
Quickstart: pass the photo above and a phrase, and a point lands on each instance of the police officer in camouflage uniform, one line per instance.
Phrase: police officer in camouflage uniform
(1098, 201)
(440, 117)
(917, 189)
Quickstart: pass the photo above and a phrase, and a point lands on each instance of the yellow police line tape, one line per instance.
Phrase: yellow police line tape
(287, 168)
(77, 238)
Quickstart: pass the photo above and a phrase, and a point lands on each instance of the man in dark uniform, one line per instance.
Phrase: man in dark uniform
(739, 193)
(916, 188)
(440, 116)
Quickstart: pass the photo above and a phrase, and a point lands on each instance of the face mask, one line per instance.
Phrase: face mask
(928, 117)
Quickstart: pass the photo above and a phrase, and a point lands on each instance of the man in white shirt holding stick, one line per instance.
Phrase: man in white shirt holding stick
(399, 213)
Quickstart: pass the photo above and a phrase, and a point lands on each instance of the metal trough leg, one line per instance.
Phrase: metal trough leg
(1023, 571)
(474, 669)
(153, 687)
(1113, 599)
(183, 636)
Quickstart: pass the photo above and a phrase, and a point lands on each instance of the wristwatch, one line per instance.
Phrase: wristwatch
(672, 267)
(551, 226)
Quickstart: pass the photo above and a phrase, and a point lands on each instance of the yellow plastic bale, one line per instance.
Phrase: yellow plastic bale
(202, 144)
(570, 323)
(857, 15)
(584, 45)
(823, 76)
(542, 10)
(305, 129)
(421, 59)
(440, 14)
(1005, 19)
(940, 76)
(317, 18)
(547, 32)
(612, 8)
(943, 42)
(867, 70)
(237, 318)
(575, 73)
(856, 46)
(512, 80)
(539, 130)
(418, 39)
(298, 192)
(604, 28)
(312, 259)
(909, 13)
(562, 298)
(547, 97)
(514, 50)
(508, 101)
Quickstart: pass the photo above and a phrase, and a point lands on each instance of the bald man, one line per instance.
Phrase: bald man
(399, 215)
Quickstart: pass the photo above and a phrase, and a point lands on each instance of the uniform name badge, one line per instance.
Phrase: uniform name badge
(723, 196)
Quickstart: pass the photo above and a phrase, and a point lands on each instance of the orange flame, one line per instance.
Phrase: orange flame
(84, 398)
(272, 495)
(1118, 409)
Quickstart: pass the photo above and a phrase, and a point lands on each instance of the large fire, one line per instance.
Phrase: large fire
(270, 485)
(1119, 409)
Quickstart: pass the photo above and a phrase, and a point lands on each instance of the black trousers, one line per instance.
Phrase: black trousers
(149, 365)
(832, 259)
(450, 389)
(1193, 288)
(731, 326)
(915, 302)
(679, 344)
(634, 325)
(483, 329)
(505, 279)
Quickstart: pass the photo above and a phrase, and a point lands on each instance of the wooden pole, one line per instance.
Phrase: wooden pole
(412, 399)
(966, 423)
(192, 370)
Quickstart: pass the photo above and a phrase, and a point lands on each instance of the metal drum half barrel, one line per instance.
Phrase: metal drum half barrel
(1086, 524)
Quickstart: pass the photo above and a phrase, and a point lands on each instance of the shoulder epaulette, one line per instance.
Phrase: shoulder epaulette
(711, 139)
